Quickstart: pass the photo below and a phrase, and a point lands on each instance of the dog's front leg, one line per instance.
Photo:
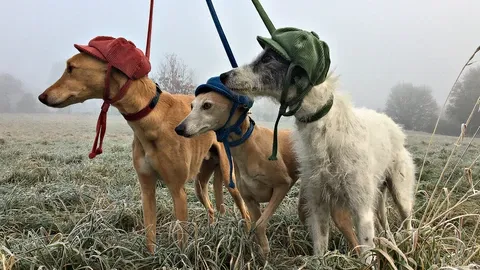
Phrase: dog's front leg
(318, 220)
(201, 187)
(179, 197)
(260, 231)
(147, 180)
(278, 194)
(317, 217)
(147, 188)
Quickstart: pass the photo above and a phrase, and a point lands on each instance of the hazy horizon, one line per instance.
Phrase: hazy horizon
(373, 44)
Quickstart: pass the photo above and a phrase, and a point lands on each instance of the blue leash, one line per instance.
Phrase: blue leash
(222, 134)
(226, 46)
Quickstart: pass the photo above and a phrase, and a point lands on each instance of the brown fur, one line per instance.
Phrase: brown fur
(158, 153)
(259, 179)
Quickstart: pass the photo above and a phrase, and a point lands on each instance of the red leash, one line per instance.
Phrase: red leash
(149, 32)
(102, 118)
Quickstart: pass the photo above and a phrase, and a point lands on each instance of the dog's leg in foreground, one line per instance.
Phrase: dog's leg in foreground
(343, 220)
(277, 196)
(201, 187)
(260, 230)
(237, 198)
(147, 180)
(341, 216)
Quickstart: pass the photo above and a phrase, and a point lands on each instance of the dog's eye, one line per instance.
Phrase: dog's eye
(206, 105)
(69, 69)
(191, 106)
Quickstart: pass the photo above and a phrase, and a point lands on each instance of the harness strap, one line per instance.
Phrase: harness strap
(227, 144)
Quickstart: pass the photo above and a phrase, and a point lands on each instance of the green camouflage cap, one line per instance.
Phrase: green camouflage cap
(301, 48)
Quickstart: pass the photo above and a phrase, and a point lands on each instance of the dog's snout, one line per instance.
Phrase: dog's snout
(224, 76)
(180, 129)
(43, 98)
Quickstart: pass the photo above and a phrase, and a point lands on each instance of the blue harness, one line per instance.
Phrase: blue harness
(214, 84)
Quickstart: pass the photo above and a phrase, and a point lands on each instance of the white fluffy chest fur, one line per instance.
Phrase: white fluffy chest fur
(346, 152)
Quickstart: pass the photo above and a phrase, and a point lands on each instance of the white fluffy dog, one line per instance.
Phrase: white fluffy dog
(347, 158)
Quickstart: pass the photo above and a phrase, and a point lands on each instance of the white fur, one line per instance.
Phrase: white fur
(344, 158)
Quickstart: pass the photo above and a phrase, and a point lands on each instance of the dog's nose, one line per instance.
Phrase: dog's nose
(224, 77)
(180, 129)
(43, 98)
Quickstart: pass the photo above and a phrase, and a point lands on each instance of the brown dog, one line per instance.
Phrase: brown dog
(259, 179)
(158, 153)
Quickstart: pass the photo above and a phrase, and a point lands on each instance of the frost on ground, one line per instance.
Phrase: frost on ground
(58, 208)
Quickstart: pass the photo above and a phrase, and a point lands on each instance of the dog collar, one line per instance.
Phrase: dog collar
(145, 111)
(318, 114)
(214, 84)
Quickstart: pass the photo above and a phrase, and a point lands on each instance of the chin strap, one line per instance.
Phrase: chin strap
(102, 118)
(227, 144)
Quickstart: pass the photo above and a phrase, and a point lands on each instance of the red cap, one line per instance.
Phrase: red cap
(120, 53)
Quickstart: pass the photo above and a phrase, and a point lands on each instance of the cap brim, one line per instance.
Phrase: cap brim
(204, 88)
(272, 44)
(90, 51)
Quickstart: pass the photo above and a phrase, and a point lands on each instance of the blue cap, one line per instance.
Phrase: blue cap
(216, 85)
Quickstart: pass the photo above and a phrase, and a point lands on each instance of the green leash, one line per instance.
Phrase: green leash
(309, 59)
(266, 20)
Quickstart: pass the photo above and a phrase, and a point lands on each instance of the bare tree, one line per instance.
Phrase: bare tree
(174, 76)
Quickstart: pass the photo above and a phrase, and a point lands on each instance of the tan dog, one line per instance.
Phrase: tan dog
(259, 179)
(158, 153)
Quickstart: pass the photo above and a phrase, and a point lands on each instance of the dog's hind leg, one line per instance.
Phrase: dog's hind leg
(201, 187)
(343, 220)
(401, 184)
(218, 190)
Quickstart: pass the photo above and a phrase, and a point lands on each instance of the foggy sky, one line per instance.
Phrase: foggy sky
(373, 44)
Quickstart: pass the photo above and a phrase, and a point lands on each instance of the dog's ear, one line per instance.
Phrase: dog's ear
(299, 78)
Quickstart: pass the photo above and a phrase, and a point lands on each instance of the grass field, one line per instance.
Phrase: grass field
(60, 210)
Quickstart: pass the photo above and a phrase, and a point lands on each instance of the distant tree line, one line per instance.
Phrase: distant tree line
(411, 106)
(415, 108)
(15, 99)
